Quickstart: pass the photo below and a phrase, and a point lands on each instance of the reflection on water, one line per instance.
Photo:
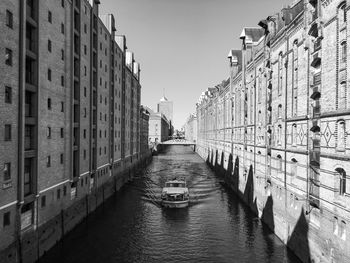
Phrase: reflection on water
(133, 227)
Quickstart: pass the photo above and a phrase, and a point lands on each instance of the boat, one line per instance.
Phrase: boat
(175, 194)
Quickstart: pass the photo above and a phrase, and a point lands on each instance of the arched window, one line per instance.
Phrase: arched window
(335, 226)
(342, 231)
(341, 135)
(342, 13)
(280, 72)
(342, 180)
(294, 134)
(294, 168)
(279, 111)
(343, 51)
(279, 163)
(342, 95)
(279, 134)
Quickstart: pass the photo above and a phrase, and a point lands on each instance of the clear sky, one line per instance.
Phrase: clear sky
(182, 45)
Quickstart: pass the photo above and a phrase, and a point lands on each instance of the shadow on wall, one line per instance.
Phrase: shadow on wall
(248, 194)
(298, 241)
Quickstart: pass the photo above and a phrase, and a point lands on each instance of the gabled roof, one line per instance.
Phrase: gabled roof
(252, 33)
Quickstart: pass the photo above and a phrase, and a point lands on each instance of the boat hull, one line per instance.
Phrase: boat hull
(175, 204)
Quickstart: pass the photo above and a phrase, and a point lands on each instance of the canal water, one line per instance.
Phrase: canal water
(133, 227)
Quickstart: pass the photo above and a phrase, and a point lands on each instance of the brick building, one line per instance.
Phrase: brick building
(70, 119)
(278, 129)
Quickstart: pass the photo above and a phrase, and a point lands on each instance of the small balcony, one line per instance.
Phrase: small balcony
(314, 28)
(316, 94)
(316, 60)
(315, 126)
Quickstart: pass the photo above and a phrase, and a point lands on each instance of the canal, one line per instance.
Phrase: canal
(132, 227)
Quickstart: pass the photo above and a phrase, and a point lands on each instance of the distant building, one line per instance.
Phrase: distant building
(190, 128)
(166, 107)
(159, 127)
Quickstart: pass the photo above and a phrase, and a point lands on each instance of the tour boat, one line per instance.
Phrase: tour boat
(175, 194)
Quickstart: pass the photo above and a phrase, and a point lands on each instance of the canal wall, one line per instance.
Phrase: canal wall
(33, 244)
(290, 221)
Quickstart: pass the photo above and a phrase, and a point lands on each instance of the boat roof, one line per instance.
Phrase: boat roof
(176, 181)
(175, 190)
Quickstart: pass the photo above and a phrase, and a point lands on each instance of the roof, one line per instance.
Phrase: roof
(175, 190)
(252, 33)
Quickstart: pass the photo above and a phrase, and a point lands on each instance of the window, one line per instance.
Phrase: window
(49, 103)
(280, 72)
(62, 133)
(100, 150)
(85, 50)
(62, 28)
(84, 91)
(58, 194)
(49, 45)
(7, 132)
(84, 154)
(341, 136)
(342, 13)
(342, 231)
(62, 54)
(43, 201)
(8, 94)
(62, 81)
(64, 190)
(84, 133)
(84, 112)
(279, 163)
(342, 180)
(85, 28)
(9, 19)
(294, 168)
(342, 96)
(280, 111)
(335, 226)
(7, 171)
(8, 57)
(49, 16)
(49, 74)
(61, 158)
(62, 106)
(294, 134)
(48, 132)
(84, 70)
(48, 161)
(62, 3)
(7, 217)
(343, 51)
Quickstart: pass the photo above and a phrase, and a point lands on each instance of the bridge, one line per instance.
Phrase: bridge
(178, 142)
